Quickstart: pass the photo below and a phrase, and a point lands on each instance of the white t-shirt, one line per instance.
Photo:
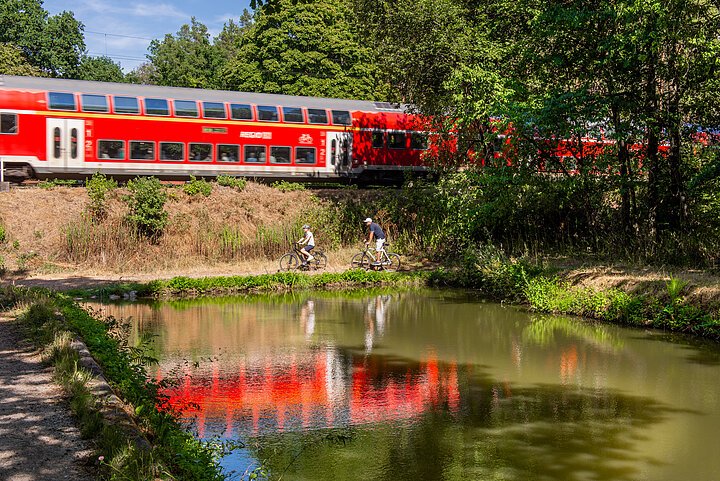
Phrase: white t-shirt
(309, 239)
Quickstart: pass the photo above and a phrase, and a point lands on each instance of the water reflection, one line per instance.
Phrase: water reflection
(434, 386)
(314, 390)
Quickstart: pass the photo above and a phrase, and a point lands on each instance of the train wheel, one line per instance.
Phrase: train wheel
(394, 263)
(361, 261)
(289, 262)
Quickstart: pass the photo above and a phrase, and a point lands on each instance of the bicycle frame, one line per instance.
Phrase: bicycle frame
(371, 251)
(294, 259)
(367, 259)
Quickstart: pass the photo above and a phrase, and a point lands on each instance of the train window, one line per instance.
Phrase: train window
(214, 110)
(61, 101)
(255, 154)
(111, 149)
(8, 124)
(93, 103)
(378, 140)
(172, 151)
(142, 150)
(396, 140)
(73, 143)
(418, 141)
(228, 153)
(317, 116)
(268, 113)
(280, 155)
(241, 112)
(126, 105)
(56, 142)
(201, 152)
(305, 155)
(341, 117)
(293, 114)
(156, 107)
(184, 108)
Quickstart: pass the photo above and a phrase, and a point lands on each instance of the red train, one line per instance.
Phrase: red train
(73, 128)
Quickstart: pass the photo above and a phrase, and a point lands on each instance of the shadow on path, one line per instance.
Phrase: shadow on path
(38, 437)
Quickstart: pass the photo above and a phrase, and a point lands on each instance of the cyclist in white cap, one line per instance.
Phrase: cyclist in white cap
(308, 243)
(376, 233)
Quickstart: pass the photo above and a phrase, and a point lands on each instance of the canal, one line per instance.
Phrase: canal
(433, 385)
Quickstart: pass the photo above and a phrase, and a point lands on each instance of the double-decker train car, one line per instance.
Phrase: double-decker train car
(73, 128)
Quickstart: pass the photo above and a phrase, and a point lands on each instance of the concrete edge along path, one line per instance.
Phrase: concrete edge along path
(39, 439)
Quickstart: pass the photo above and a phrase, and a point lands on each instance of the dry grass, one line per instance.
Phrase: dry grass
(703, 289)
(50, 232)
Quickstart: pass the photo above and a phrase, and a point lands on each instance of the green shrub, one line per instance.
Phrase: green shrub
(98, 186)
(3, 234)
(230, 181)
(285, 186)
(147, 206)
(197, 186)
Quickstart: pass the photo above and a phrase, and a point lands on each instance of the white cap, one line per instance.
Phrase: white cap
(368, 220)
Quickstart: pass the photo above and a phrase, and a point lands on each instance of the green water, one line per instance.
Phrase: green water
(435, 385)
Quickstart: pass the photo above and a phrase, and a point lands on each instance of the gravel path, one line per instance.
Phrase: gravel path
(39, 439)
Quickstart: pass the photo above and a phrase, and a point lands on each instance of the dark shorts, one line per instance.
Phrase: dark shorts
(308, 248)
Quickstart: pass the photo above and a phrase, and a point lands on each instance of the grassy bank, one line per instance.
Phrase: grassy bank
(279, 282)
(543, 289)
(156, 447)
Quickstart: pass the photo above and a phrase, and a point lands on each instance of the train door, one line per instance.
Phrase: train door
(339, 152)
(65, 143)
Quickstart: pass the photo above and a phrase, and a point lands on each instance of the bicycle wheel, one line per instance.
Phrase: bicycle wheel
(320, 260)
(393, 264)
(289, 262)
(361, 261)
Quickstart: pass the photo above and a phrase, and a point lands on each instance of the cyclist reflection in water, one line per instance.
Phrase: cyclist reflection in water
(375, 317)
(307, 319)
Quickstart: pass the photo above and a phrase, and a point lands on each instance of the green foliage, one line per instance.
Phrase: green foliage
(100, 69)
(197, 186)
(52, 44)
(49, 184)
(186, 59)
(282, 281)
(285, 186)
(147, 206)
(231, 181)
(303, 48)
(12, 62)
(3, 234)
(98, 187)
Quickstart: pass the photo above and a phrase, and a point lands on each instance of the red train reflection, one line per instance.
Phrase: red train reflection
(316, 390)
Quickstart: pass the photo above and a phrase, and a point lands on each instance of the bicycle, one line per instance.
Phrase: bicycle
(296, 260)
(389, 261)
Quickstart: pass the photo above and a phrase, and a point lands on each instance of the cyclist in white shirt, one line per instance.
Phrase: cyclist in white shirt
(308, 243)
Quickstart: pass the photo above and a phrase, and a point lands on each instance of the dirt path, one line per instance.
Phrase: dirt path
(38, 437)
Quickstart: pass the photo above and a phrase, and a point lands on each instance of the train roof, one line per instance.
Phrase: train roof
(182, 93)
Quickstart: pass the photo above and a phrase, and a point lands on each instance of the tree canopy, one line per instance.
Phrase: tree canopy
(303, 48)
(53, 44)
